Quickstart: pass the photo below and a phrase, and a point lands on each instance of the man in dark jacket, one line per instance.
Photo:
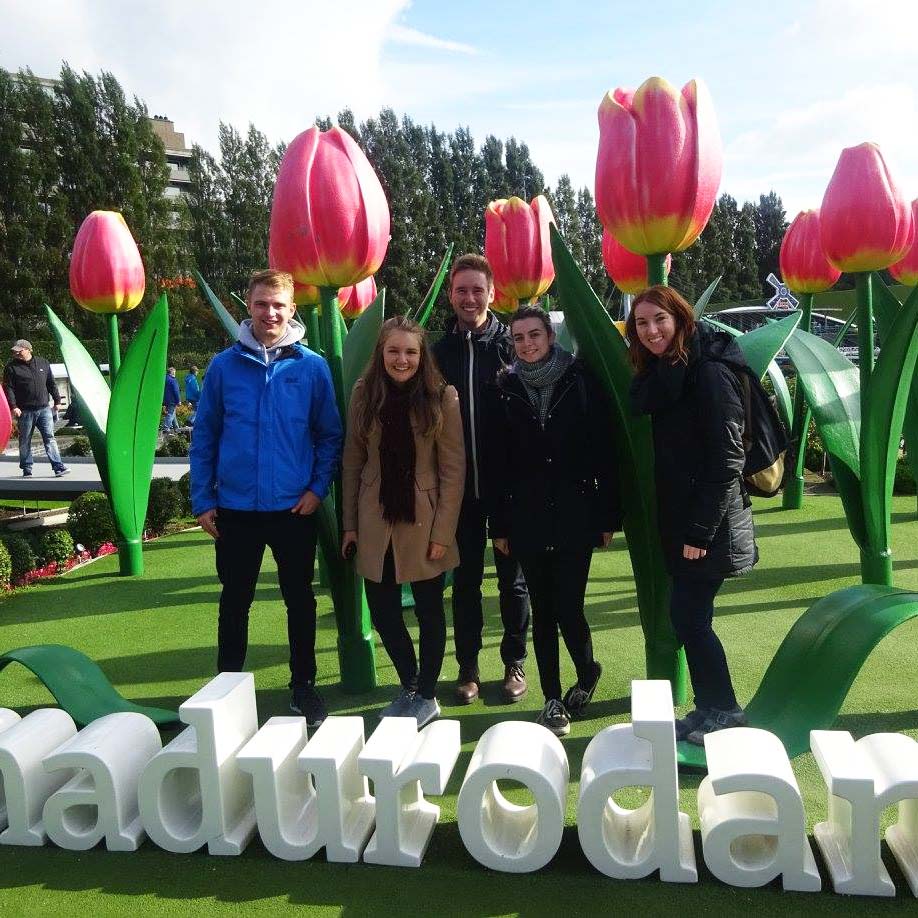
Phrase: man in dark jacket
(28, 383)
(473, 349)
(267, 440)
(171, 400)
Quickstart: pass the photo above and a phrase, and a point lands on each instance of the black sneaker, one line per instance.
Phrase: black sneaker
(61, 472)
(692, 721)
(308, 702)
(554, 717)
(717, 720)
(26, 473)
(577, 697)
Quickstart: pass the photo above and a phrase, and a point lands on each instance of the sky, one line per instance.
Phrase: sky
(792, 82)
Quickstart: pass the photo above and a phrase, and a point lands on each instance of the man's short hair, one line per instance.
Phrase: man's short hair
(275, 280)
(471, 262)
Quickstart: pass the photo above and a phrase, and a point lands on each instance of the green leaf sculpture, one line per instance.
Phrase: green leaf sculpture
(422, 314)
(603, 348)
(809, 677)
(361, 340)
(705, 298)
(226, 320)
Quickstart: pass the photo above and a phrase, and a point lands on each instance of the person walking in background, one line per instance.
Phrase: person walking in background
(473, 348)
(695, 403)
(553, 496)
(192, 391)
(403, 472)
(266, 445)
(29, 385)
(171, 401)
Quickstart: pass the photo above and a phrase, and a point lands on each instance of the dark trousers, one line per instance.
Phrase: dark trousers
(385, 602)
(557, 584)
(240, 549)
(468, 618)
(691, 609)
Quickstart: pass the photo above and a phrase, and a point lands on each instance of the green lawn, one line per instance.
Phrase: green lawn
(154, 637)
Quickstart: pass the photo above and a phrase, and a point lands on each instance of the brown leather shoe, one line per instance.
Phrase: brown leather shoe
(468, 686)
(514, 683)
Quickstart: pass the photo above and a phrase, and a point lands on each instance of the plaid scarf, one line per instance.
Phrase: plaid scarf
(540, 378)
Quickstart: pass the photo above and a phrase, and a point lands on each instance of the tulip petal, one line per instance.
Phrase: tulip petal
(804, 266)
(517, 246)
(906, 269)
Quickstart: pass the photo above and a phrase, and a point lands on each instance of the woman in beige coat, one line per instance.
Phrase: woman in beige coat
(403, 477)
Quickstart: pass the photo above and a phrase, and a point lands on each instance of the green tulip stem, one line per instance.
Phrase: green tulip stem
(313, 335)
(792, 499)
(656, 269)
(114, 346)
(864, 281)
(355, 641)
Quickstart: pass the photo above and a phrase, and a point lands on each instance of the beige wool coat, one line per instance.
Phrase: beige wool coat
(438, 487)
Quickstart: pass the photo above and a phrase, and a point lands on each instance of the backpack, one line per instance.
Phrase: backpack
(765, 441)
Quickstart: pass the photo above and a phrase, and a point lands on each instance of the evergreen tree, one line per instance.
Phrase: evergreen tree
(747, 271)
(770, 225)
(524, 179)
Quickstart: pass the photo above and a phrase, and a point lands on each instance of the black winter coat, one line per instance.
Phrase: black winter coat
(553, 487)
(698, 419)
(471, 362)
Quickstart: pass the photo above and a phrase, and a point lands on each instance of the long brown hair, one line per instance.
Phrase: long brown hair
(669, 301)
(425, 387)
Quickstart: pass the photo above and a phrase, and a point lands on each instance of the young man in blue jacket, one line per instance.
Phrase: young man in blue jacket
(267, 441)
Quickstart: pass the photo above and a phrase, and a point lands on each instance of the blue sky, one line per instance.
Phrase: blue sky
(792, 83)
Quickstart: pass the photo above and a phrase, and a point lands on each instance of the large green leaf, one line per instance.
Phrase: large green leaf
(761, 345)
(226, 320)
(422, 314)
(772, 371)
(832, 390)
(705, 298)
(358, 345)
(564, 339)
(808, 679)
(133, 421)
(887, 397)
(89, 389)
(606, 353)
(885, 308)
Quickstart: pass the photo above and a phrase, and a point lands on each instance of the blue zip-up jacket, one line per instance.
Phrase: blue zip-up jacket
(192, 388)
(171, 395)
(264, 434)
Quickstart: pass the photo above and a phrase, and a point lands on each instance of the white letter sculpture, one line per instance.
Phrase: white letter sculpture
(403, 764)
(101, 800)
(863, 778)
(310, 795)
(753, 827)
(193, 792)
(496, 832)
(24, 784)
(630, 844)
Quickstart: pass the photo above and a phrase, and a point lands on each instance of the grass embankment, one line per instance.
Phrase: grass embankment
(154, 637)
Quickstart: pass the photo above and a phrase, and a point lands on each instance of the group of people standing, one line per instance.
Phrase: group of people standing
(494, 431)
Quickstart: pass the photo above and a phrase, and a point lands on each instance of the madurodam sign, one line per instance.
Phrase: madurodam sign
(222, 779)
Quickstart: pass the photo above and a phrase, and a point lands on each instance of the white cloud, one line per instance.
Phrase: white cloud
(404, 35)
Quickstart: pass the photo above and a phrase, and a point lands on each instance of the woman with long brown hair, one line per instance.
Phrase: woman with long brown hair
(402, 481)
(684, 381)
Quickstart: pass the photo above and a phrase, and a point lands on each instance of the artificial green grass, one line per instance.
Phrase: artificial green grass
(154, 637)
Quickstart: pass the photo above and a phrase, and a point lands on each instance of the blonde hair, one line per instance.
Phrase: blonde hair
(275, 280)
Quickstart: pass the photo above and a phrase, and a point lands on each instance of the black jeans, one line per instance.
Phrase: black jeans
(240, 549)
(691, 609)
(468, 618)
(385, 602)
(557, 584)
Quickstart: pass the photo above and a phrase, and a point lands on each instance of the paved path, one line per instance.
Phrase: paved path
(84, 476)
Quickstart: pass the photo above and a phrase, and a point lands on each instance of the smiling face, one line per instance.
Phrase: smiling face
(531, 340)
(470, 295)
(401, 356)
(271, 310)
(655, 327)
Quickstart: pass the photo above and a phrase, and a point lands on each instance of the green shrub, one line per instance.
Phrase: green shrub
(165, 504)
(814, 451)
(183, 413)
(78, 446)
(53, 545)
(905, 481)
(184, 487)
(90, 521)
(174, 445)
(6, 567)
(22, 558)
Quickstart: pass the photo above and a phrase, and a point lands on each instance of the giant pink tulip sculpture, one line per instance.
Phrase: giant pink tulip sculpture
(107, 278)
(905, 270)
(355, 299)
(518, 248)
(330, 229)
(658, 168)
(629, 272)
(806, 270)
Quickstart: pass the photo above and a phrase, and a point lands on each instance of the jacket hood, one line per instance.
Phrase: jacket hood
(714, 344)
(247, 339)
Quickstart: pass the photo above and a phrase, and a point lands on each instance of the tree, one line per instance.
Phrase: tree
(770, 226)
(747, 272)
